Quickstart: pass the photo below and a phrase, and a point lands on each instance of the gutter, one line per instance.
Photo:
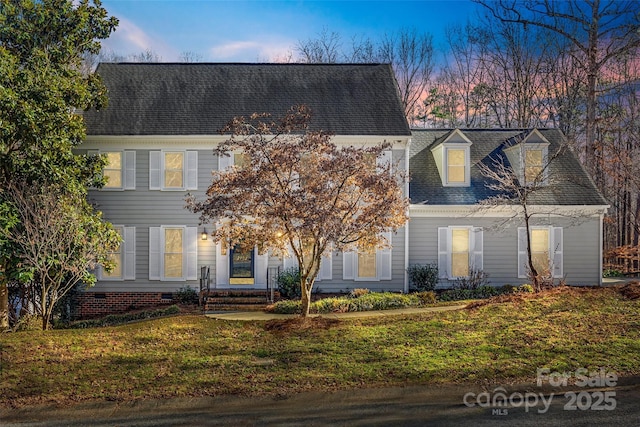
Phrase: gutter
(406, 227)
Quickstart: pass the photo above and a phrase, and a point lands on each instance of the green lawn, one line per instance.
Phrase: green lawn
(500, 342)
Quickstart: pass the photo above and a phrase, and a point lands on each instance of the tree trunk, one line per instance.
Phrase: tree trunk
(532, 270)
(305, 297)
(4, 305)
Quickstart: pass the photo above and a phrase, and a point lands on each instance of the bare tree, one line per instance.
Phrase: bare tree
(411, 55)
(59, 238)
(514, 188)
(296, 190)
(465, 74)
(599, 30)
(325, 48)
(409, 52)
(190, 56)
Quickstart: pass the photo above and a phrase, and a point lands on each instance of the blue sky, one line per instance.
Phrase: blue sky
(266, 30)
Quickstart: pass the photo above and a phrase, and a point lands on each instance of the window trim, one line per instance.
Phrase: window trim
(122, 170)
(356, 267)
(163, 235)
(445, 243)
(467, 164)
(556, 250)
(121, 250)
(466, 152)
(189, 248)
(157, 170)
(127, 169)
(127, 256)
(544, 149)
(164, 170)
(384, 264)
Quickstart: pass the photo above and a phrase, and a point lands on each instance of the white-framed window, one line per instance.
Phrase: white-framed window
(112, 171)
(460, 250)
(534, 160)
(546, 250)
(120, 169)
(452, 156)
(173, 253)
(123, 257)
(368, 266)
(326, 265)
(173, 170)
(529, 161)
(456, 166)
(237, 159)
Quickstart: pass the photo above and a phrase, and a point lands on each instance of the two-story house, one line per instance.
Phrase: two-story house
(161, 126)
(159, 132)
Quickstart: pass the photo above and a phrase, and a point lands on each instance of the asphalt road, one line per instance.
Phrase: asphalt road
(402, 406)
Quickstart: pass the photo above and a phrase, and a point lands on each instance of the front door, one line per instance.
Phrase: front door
(241, 267)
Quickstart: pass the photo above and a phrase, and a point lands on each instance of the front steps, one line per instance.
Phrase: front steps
(236, 299)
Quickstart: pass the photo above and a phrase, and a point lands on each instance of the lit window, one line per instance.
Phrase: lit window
(240, 160)
(116, 260)
(367, 265)
(173, 170)
(460, 252)
(540, 249)
(113, 170)
(532, 164)
(456, 165)
(173, 252)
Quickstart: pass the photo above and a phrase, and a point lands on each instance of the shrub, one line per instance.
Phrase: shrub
(612, 272)
(457, 294)
(289, 283)
(476, 279)
(186, 295)
(119, 319)
(426, 298)
(422, 277)
(525, 289)
(28, 322)
(383, 301)
(358, 292)
(366, 302)
(286, 306)
(508, 289)
(331, 305)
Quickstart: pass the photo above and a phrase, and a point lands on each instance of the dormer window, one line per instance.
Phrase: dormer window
(533, 163)
(456, 166)
(452, 154)
(528, 158)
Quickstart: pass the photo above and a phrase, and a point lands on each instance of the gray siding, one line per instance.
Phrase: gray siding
(581, 255)
(396, 284)
(143, 208)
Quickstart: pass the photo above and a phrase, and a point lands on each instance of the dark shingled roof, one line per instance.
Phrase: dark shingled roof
(200, 98)
(571, 183)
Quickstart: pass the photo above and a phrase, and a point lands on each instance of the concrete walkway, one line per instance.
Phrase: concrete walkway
(261, 315)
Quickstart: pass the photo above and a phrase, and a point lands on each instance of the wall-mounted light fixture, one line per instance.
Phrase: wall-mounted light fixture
(204, 234)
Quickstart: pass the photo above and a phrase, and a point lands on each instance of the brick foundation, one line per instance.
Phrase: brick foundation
(94, 304)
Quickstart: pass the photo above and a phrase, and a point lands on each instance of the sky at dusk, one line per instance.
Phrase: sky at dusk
(266, 30)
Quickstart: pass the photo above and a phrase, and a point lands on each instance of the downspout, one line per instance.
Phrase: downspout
(406, 226)
(601, 239)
